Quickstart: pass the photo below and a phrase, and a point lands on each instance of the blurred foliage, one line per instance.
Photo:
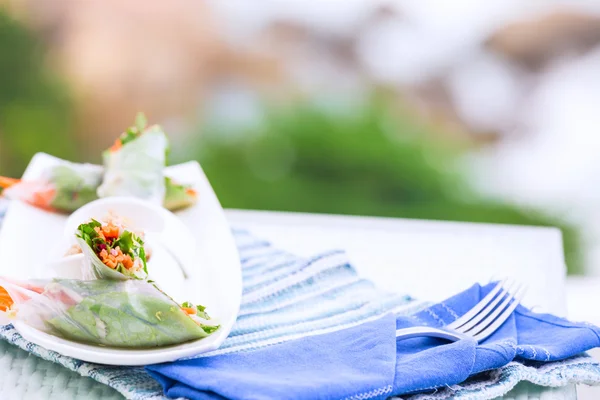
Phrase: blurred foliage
(364, 163)
(35, 111)
(368, 162)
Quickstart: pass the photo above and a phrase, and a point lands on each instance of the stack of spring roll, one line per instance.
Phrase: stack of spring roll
(114, 304)
(133, 166)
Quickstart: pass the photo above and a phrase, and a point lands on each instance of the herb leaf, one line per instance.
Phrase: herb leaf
(201, 313)
(142, 255)
(141, 122)
(89, 235)
(125, 242)
(210, 328)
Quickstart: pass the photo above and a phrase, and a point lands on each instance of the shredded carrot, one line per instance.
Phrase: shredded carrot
(43, 198)
(189, 310)
(116, 146)
(111, 260)
(33, 288)
(5, 300)
(110, 231)
(191, 192)
(100, 233)
(125, 260)
(6, 182)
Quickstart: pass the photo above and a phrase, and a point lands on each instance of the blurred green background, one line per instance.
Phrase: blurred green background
(35, 110)
(368, 161)
(372, 159)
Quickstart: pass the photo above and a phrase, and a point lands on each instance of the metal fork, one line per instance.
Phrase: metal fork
(479, 322)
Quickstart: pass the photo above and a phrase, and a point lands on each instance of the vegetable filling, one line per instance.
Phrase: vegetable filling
(117, 247)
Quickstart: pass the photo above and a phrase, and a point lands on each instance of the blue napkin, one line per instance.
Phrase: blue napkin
(424, 364)
(366, 361)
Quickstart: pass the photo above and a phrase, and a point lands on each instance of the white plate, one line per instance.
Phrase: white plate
(31, 237)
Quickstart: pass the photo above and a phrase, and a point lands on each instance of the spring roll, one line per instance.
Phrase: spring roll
(112, 251)
(134, 165)
(62, 188)
(67, 187)
(122, 314)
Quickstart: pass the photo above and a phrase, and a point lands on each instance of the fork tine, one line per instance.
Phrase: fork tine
(478, 307)
(486, 332)
(505, 295)
(488, 315)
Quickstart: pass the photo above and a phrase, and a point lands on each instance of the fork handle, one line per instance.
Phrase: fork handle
(424, 331)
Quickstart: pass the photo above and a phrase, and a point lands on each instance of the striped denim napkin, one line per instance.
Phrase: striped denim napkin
(287, 297)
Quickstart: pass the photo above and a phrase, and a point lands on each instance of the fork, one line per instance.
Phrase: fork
(479, 322)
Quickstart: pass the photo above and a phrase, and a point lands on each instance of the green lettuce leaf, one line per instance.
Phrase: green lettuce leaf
(75, 185)
(125, 316)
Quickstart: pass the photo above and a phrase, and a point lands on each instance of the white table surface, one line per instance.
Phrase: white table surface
(428, 259)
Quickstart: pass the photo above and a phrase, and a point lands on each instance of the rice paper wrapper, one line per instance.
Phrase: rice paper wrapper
(121, 314)
(64, 187)
(136, 169)
(75, 184)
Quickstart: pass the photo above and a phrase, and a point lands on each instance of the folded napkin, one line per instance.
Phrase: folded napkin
(366, 361)
(423, 364)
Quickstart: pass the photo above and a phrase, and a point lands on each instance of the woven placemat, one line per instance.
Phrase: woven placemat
(25, 376)
(529, 391)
